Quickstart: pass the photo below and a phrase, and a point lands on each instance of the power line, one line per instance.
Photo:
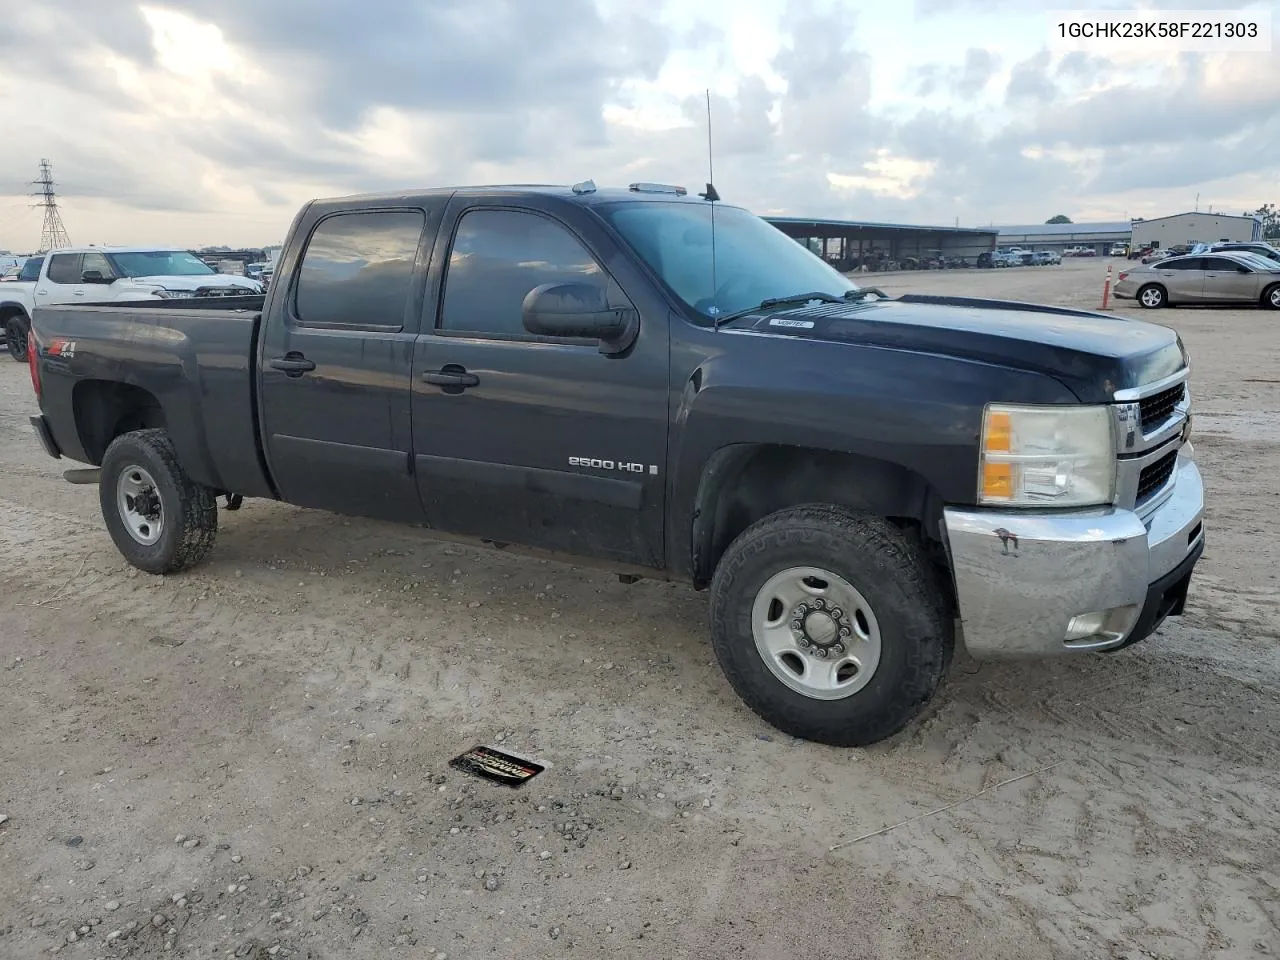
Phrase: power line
(53, 234)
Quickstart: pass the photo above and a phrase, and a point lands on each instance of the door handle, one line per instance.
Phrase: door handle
(293, 363)
(452, 376)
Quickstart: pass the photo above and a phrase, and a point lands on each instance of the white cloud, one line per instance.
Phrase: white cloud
(203, 123)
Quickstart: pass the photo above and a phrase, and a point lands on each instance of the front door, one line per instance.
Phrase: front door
(335, 365)
(538, 441)
(1229, 282)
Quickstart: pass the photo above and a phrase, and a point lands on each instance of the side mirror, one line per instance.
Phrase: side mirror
(579, 311)
(94, 276)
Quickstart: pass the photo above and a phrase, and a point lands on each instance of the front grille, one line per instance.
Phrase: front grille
(1157, 408)
(223, 292)
(1156, 475)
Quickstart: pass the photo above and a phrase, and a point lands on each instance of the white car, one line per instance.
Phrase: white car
(107, 274)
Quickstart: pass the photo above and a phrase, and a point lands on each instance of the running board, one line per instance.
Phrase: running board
(89, 475)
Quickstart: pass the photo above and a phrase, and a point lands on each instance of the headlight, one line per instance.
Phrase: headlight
(1060, 456)
(171, 294)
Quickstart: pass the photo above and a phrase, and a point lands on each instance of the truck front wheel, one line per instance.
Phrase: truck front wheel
(160, 520)
(829, 625)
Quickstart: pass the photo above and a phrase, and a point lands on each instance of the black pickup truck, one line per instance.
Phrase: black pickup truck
(668, 385)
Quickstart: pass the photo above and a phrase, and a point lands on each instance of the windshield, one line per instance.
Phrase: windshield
(160, 263)
(754, 260)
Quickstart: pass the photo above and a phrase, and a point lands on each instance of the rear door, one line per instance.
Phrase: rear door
(543, 442)
(335, 362)
(1183, 277)
(1227, 281)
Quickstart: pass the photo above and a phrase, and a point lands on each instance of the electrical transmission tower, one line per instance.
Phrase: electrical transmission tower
(53, 234)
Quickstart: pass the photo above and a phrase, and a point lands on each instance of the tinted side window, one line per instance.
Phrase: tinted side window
(64, 268)
(498, 256)
(31, 269)
(1220, 263)
(1186, 263)
(358, 269)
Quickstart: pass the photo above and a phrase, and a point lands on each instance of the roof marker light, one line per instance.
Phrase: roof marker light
(658, 188)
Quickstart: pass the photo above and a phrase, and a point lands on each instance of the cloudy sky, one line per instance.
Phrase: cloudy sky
(177, 121)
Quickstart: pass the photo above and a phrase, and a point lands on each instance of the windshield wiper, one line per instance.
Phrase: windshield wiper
(864, 292)
(771, 302)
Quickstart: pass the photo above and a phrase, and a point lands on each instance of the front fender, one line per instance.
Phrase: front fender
(920, 413)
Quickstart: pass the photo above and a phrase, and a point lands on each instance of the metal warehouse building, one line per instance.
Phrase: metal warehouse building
(1186, 228)
(851, 244)
(1059, 236)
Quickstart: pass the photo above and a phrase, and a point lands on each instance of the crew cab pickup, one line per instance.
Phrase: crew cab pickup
(670, 386)
(82, 274)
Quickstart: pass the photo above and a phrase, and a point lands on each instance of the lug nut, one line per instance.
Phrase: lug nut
(819, 604)
(839, 648)
(837, 613)
(797, 625)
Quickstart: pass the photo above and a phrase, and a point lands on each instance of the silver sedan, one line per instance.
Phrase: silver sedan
(1218, 278)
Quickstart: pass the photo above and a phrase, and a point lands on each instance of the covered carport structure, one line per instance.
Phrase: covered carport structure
(854, 244)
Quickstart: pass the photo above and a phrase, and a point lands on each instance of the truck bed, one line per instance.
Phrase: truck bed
(197, 357)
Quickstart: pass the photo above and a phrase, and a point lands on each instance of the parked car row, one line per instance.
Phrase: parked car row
(1020, 257)
(107, 274)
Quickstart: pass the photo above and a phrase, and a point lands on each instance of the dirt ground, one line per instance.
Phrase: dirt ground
(250, 760)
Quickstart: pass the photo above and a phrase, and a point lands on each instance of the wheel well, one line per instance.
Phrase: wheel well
(105, 409)
(745, 483)
(8, 312)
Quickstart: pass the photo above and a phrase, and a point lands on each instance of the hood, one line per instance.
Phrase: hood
(195, 283)
(1093, 354)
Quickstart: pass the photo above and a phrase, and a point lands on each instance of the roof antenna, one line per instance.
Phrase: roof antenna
(711, 196)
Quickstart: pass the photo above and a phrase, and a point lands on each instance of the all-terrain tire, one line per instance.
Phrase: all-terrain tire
(880, 563)
(188, 512)
(15, 337)
(1153, 296)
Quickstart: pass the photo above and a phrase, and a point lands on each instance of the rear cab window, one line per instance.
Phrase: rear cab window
(357, 270)
(64, 268)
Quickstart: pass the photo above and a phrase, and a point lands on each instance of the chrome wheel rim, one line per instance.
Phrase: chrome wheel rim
(1275, 297)
(138, 502)
(816, 633)
(1151, 298)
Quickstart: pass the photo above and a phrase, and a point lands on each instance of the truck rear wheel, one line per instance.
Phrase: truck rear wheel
(829, 625)
(161, 520)
(15, 337)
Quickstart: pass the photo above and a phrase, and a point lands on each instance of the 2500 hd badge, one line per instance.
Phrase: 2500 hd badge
(623, 465)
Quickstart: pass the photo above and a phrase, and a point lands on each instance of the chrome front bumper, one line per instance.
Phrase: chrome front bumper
(1024, 579)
